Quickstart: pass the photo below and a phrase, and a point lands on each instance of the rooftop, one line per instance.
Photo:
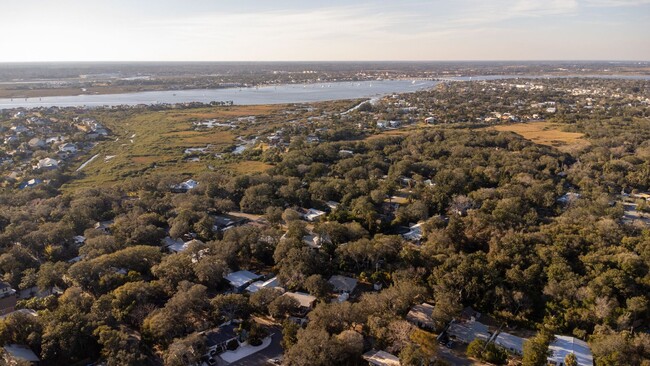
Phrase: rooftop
(241, 278)
(561, 346)
(305, 300)
(343, 284)
(20, 352)
(381, 358)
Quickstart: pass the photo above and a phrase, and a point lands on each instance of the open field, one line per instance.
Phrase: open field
(154, 142)
(546, 133)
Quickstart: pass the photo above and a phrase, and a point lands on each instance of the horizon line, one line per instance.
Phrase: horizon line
(319, 61)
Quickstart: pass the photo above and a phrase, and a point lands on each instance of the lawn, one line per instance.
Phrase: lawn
(547, 133)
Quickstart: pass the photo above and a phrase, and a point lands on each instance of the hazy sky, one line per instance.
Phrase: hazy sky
(231, 30)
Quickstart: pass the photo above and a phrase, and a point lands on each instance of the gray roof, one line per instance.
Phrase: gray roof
(20, 352)
(343, 284)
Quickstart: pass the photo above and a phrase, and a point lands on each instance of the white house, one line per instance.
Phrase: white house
(510, 343)
(47, 163)
(381, 358)
(313, 214)
(240, 279)
(414, 233)
(561, 346)
(68, 147)
(258, 285)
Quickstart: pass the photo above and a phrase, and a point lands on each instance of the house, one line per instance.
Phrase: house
(561, 346)
(313, 214)
(510, 343)
(79, 239)
(225, 222)
(382, 124)
(104, 226)
(414, 234)
(68, 148)
(344, 152)
(342, 284)
(47, 163)
(30, 183)
(381, 358)
(305, 301)
(569, 197)
(430, 120)
(36, 143)
(332, 205)
(174, 245)
(8, 298)
(270, 283)
(185, 186)
(468, 330)
(420, 316)
(219, 338)
(28, 312)
(240, 279)
(315, 241)
(17, 354)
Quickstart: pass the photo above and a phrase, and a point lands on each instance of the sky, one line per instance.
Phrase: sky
(333, 30)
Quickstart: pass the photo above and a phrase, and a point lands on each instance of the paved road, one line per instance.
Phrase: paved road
(264, 357)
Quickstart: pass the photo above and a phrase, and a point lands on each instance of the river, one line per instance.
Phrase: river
(280, 94)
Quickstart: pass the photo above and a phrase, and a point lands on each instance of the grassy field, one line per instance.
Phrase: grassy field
(546, 133)
(153, 142)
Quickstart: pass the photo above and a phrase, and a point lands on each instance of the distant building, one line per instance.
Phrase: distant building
(466, 331)
(343, 284)
(421, 316)
(16, 354)
(36, 143)
(68, 148)
(270, 283)
(414, 234)
(313, 214)
(8, 298)
(305, 301)
(47, 163)
(381, 358)
(561, 346)
(510, 343)
(240, 279)
(185, 186)
(30, 183)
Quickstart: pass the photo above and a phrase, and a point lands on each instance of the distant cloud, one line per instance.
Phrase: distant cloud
(616, 3)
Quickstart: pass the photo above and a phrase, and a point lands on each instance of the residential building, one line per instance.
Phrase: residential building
(17, 354)
(421, 316)
(510, 343)
(561, 346)
(8, 298)
(240, 279)
(343, 284)
(270, 283)
(381, 358)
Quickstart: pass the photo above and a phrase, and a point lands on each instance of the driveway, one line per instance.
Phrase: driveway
(264, 357)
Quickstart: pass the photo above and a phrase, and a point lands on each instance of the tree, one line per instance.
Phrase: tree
(261, 299)
(118, 347)
(317, 286)
(571, 360)
(185, 351)
(282, 306)
(289, 334)
(536, 350)
(412, 355)
(230, 306)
